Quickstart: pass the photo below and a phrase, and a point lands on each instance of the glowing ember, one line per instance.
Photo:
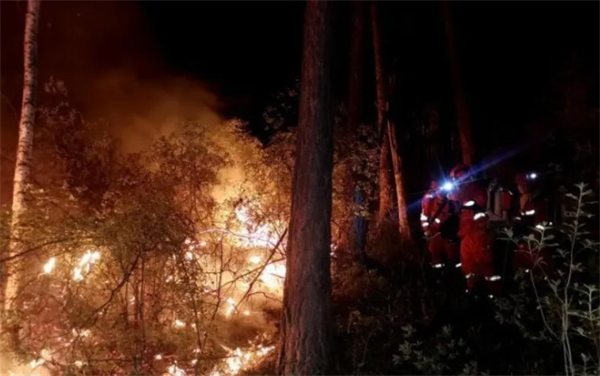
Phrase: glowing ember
(83, 333)
(242, 214)
(89, 258)
(260, 236)
(239, 360)
(273, 276)
(179, 324)
(77, 276)
(231, 307)
(86, 262)
(254, 259)
(35, 363)
(173, 370)
(49, 266)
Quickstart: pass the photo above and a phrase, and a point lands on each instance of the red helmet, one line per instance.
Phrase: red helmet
(521, 178)
(459, 171)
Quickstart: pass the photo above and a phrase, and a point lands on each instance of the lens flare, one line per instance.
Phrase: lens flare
(448, 186)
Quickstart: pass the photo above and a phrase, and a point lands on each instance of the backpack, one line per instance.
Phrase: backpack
(498, 202)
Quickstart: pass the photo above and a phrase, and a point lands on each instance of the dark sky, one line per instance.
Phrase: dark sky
(510, 51)
(245, 50)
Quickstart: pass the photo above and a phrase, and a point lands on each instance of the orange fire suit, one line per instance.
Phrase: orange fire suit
(437, 209)
(476, 255)
(533, 212)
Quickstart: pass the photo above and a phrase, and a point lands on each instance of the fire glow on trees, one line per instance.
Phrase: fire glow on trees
(165, 264)
(258, 245)
(175, 257)
(137, 270)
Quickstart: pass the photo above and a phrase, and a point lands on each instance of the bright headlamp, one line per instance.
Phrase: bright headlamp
(448, 186)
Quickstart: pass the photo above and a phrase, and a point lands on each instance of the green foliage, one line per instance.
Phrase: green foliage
(357, 152)
(566, 298)
(387, 326)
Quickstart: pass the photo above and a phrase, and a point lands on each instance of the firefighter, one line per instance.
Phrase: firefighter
(437, 223)
(533, 212)
(476, 255)
(426, 203)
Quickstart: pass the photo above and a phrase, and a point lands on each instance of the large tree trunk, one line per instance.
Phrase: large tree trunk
(306, 321)
(386, 188)
(389, 129)
(386, 182)
(357, 237)
(460, 101)
(403, 224)
(10, 275)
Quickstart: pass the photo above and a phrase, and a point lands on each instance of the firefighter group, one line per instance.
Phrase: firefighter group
(458, 217)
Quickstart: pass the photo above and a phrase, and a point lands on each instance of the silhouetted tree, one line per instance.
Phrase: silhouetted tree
(460, 101)
(388, 129)
(357, 196)
(306, 322)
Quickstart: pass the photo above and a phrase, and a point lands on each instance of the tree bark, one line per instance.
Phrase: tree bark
(306, 321)
(386, 188)
(460, 101)
(388, 130)
(10, 277)
(386, 181)
(357, 236)
(403, 224)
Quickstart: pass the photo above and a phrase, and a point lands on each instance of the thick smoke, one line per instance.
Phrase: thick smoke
(104, 54)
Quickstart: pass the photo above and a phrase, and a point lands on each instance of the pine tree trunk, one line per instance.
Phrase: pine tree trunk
(10, 275)
(306, 318)
(386, 188)
(386, 182)
(403, 224)
(388, 130)
(460, 100)
(356, 194)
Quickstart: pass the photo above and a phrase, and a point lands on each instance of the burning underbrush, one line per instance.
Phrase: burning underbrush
(149, 273)
(209, 308)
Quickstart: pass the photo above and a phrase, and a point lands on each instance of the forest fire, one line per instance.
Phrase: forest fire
(239, 359)
(239, 297)
(159, 207)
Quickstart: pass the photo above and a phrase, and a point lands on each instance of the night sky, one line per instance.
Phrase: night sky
(243, 52)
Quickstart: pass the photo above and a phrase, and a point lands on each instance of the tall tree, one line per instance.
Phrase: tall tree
(460, 100)
(388, 131)
(357, 196)
(10, 277)
(306, 321)
(386, 182)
